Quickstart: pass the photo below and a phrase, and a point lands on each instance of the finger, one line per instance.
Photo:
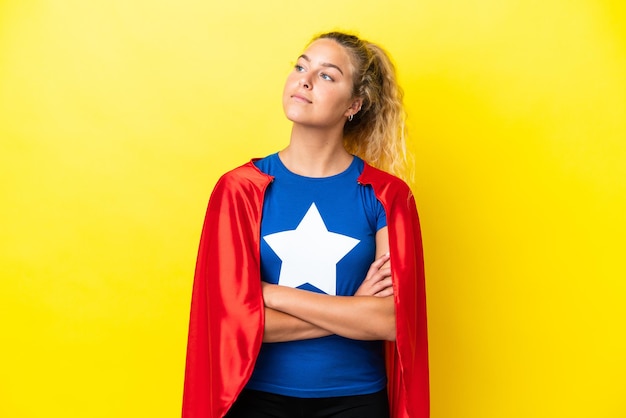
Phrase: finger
(381, 260)
(381, 274)
(384, 272)
(376, 267)
(384, 284)
(384, 293)
(385, 287)
(374, 285)
(371, 272)
(375, 288)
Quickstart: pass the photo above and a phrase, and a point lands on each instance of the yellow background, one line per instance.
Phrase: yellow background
(117, 117)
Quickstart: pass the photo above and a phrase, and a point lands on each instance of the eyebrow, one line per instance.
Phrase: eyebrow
(323, 64)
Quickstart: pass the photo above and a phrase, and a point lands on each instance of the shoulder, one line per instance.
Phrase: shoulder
(246, 172)
(242, 178)
(385, 185)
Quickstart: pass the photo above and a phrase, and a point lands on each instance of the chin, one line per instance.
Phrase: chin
(293, 116)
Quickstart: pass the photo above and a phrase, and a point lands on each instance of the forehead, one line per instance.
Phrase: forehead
(328, 51)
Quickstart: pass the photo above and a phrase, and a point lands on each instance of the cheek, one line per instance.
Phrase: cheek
(341, 99)
(287, 91)
(286, 95)
(290, 82)
(292, 79)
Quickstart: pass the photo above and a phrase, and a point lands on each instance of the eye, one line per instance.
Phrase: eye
(298, 68)
(326, 77)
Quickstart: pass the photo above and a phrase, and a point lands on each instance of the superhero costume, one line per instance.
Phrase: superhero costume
(227, 311)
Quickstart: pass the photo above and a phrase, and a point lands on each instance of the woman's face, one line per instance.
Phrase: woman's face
(318, 91)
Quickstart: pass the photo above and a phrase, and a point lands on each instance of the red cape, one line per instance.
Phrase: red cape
(227, 314)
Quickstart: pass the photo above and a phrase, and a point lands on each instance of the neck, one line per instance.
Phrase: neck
(315, 153)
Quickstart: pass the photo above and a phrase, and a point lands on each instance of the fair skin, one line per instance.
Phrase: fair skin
(318, 99)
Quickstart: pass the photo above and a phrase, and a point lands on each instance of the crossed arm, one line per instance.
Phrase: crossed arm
(295, 314)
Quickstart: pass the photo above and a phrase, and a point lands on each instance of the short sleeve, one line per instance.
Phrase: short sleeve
(381, 216)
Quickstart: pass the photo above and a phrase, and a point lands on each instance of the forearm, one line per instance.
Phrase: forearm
(356, 317)
(281, 327)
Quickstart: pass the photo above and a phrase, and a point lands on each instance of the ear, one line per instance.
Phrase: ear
(355, 106)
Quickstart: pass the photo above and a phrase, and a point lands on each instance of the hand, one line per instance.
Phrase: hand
(377, 282)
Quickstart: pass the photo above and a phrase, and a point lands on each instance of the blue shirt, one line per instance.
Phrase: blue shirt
(319, 234)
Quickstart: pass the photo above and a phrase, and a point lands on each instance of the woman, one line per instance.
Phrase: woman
(308, 296)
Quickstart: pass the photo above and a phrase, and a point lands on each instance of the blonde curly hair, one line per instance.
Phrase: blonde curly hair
(377, 133)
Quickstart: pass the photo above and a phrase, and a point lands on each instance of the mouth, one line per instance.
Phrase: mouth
(299, 98)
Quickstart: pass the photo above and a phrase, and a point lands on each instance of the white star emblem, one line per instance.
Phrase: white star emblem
(310, 253)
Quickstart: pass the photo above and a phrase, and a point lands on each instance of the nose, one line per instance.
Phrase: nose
(305, 82)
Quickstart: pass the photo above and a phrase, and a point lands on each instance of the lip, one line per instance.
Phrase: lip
(300, 98)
